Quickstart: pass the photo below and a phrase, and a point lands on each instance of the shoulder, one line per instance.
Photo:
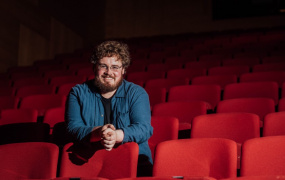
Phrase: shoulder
(130, 86)
(86, 87)
(130, 89)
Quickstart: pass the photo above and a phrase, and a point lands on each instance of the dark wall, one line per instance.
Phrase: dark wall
(86, 17)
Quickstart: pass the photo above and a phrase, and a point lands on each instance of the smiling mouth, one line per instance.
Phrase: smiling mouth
(108, 78)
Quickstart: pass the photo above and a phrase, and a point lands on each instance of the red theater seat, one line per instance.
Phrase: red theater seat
(211, 94)
(263, 156)
(274, 124)
(184, 111)
(42, 102)
(238, 127)
(9, 116)
(258, 106)
(34, 160)
(212, 157)
(90, 161)
(164, 128)
(252, 89)
(221, 80)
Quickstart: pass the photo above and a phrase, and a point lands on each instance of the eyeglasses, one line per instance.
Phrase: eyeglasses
(112, 68)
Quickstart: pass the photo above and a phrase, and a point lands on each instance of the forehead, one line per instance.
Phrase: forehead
(110, 60)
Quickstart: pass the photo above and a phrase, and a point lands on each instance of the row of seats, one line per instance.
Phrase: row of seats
(178, 118)
(200, 157)
(222, 77)
(237, 126)
(243, 64)
(260, 98)
(209, 67)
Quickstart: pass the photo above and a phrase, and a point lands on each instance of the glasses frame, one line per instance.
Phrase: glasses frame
(113, 68)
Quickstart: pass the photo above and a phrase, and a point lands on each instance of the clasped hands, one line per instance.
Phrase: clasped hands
(108, 136)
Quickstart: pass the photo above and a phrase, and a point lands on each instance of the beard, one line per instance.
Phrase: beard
(106, 87)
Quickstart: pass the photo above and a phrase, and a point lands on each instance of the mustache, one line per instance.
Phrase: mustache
(108, 76)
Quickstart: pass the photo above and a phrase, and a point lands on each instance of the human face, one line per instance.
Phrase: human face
(108, 74)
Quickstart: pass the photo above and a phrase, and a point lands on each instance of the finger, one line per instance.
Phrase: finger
(111, 126)
(108, 142)
(108, 146)
(108, 149)
(108, 132)
(104, 127)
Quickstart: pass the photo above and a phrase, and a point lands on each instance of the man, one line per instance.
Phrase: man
(110, 109)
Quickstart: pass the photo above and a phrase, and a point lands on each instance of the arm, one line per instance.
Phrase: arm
(140, 128)
(76, 125)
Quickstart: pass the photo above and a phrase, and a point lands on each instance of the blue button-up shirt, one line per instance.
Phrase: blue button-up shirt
(130, 108)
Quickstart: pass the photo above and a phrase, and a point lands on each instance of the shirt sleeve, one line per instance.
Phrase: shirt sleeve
(140, 129)
(73, 118)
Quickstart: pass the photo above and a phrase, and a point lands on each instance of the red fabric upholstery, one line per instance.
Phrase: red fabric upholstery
(31, 81)
(242, 61)
(185, 73)
(50, 73)
(263, 156)
(274, 124)
(227, 70)
(42, 102)
(137, 66)
(165, 83)
(59, 80)
(276, 76)
(7, 91)
(54, 115)
(184, 111)
(18, 116)
(144, 76)
(156, 95)
(163, 66)
(211, 157)
(273, 59)
(170, 178)
(164, 128)
(221, 80)
(21, 75)
(203, 64)
(30, 159)
(89, 161)
(257, 178)
(70, 178)
(178, 59)
(283, 90)
(208, 93)
(86, 71)
(9, 102)
(35, 89)
(211, 57)
(252, 89)
(238, 127)
(278, 66)
(281, 104)
(64, 89)
(259, 106)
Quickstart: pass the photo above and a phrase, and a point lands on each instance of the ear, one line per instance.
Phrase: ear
(124, 71)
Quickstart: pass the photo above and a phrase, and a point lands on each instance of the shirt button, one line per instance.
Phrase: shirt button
(101, 115)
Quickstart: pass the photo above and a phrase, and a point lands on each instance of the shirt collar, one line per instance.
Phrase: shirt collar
(121, 92)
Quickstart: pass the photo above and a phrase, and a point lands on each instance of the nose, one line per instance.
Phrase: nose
(107, 70)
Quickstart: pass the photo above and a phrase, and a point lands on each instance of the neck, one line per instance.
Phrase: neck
(108, 95)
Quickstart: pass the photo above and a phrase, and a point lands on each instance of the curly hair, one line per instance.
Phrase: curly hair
(109, 49)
